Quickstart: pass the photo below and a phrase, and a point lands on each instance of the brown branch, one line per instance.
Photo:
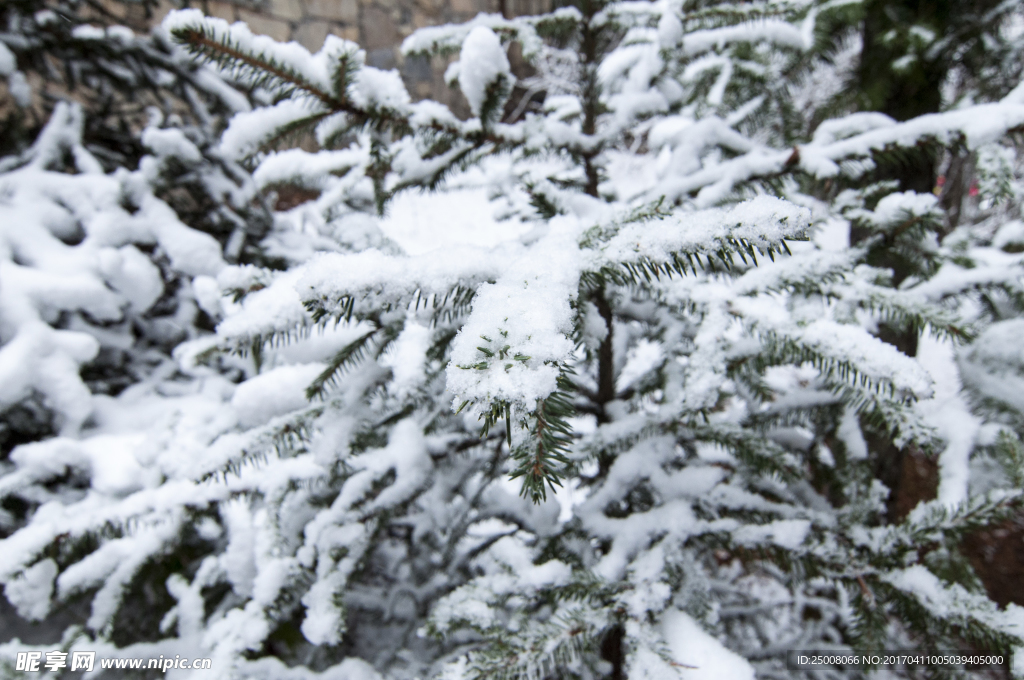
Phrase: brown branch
(865, 591)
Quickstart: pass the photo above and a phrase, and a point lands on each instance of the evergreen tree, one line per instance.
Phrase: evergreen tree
(646, 438)
(117, 211)
(107, 154)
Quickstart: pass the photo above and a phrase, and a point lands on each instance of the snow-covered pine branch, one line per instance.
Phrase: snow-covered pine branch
(694, 322)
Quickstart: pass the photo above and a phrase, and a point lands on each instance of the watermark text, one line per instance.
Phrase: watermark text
(86, 661)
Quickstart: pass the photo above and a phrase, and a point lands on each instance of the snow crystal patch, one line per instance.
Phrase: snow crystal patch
(320, 345)
(780, 32)
(1011, 233)
(763, 222)
(114, 468)
(950, 414)
(273, 393)
(527, 314)
(713, 453)
(265, 310)
(850, 434)
(993, 365)
(466, 604)
(785, 379)
(172, 143)
(8, 63)
(452, 36)
(405, 454)
(248, 130)
(47, 360)
(999, 346)
(617, 64)
(670, 30)
(980, 124)
(311, 169)
(929, 590)
(644, 357)
(482, 64)
(238, 559)
(841, 128)
(511, 553)
(833, 235)
(30, 591)
(427, 222)
(373, 278)
(407, 358)
(629, 174)
(693, 481)
(133, 275)
(901, 206)
(699, 655)
(207, 295)
(374, 88)
(878, 361)
(786, 533)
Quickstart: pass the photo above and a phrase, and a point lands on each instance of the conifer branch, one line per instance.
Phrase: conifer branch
(228, 54)
(345, 359)
(543, 457)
